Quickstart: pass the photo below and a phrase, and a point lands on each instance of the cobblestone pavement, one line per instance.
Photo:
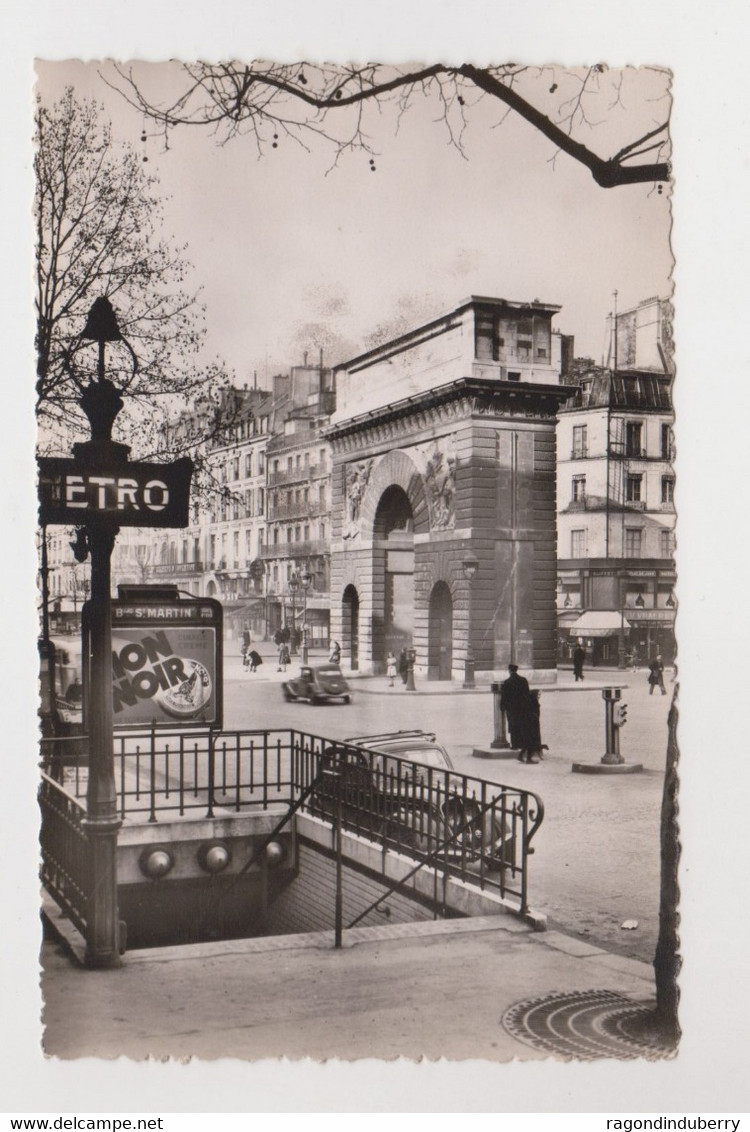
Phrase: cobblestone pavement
(596, 861)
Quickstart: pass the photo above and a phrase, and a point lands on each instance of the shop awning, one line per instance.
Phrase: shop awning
(599, 623)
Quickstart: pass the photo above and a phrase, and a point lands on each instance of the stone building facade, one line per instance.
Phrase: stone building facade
(443, 452)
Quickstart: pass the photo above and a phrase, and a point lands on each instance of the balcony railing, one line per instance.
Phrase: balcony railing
(579, 453)
(299, 510)
(298, 475)
(307, 549)
(165, 569)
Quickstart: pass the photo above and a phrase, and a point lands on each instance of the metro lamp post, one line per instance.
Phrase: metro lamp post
(101, 402)
(306, 581)
(293, 584)
(470, 566)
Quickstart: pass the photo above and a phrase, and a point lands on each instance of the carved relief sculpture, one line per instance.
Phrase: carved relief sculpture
(356, 479)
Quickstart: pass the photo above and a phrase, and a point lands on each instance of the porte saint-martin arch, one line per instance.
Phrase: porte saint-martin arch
(444, 450)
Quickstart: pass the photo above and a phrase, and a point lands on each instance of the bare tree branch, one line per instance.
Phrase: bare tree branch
(232, 99)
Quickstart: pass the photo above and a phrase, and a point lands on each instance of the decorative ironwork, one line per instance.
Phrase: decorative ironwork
(455, 824)
(66, 851)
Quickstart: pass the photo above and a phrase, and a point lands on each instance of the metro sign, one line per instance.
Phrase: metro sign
(129, 494)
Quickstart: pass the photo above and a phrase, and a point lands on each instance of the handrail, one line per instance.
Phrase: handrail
(428, 860)
(392, 801)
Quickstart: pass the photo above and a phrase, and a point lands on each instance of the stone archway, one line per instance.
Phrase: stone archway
(393, 573)
(350, 626)
(440, 633)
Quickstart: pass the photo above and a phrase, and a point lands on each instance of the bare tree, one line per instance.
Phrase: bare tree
(271, 102)
(98, 217)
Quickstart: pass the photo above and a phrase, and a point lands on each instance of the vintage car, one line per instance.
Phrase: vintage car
(402, 786)
(316, 685)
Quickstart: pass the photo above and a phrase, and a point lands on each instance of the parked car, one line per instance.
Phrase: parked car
(317, 685)
(403, 785)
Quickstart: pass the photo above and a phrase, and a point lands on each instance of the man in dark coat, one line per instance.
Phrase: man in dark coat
(578, 658)
(656, 675)
(514, 695)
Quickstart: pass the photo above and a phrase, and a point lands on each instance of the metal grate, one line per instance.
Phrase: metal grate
(588, 1025)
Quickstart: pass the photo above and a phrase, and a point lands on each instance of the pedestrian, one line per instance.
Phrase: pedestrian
(513, 695)
(403, 665)
(247, 641)
(335, 657)
(255, 660)
(391, 667)
(579, 655)
(656, 675)
(530, 739)
(284, 657)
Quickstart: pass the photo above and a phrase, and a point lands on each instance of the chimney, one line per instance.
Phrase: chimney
(305, 357)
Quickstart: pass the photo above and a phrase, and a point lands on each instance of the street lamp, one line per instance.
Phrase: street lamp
(306, 580)
(100, 400)
(293, 587)
(470, 566)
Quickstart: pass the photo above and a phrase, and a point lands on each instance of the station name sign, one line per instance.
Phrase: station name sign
(131, 494)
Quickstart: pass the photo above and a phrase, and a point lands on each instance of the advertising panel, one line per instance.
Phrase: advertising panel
(167, 663)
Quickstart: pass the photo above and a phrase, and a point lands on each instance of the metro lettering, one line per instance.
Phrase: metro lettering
(115, 493)
(152, 506)
(126, 490)
(74, 485)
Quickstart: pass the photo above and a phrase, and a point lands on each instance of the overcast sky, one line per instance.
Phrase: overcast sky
(292, 254)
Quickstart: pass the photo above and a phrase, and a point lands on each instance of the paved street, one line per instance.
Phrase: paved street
(596, 863)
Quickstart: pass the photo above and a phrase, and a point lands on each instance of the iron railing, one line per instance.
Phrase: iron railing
(66, 850)
(460, 825)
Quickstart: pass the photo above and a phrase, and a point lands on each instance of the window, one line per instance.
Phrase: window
(667, 489)
(260, 500)
(579, 489)
(633, 486)
(578, 544)
(236, 548)
(249, 464)
(580, 441)
(261, 462)
(633, 539)
(665, 544)
(236, 469)
(666, 442)
(248, 542)
(260, 540)
(276, 536)
(514, 376)
(306, 533)
(634, 438)
(297, 534)
(298, 462)
(289, 463)
(322, 495)
(249, 501)
(289, 534)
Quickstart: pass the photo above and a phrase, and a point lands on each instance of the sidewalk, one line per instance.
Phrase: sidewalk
(595, 679)
(488, 988)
